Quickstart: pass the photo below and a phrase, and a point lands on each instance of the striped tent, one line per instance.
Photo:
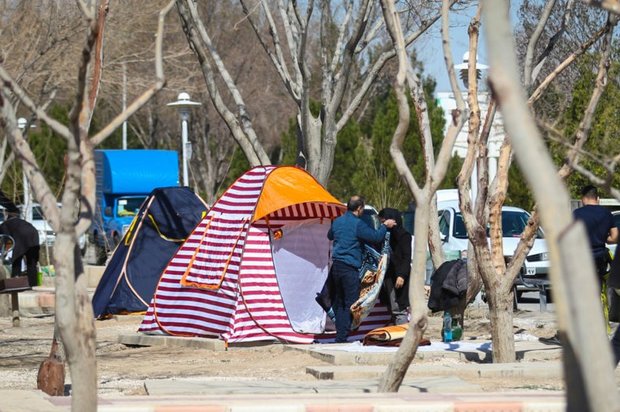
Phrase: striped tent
(251, 269)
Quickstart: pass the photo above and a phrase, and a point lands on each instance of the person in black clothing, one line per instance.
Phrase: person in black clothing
(26, 246)
(600, 226)
(601, 229)
(396, 282)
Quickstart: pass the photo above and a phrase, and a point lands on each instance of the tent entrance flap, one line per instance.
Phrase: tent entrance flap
(301, 260)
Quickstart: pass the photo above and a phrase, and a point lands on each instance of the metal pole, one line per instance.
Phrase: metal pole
(184, 134)
(22, 123)
(184, 106)
(15, 310)
(124, 105)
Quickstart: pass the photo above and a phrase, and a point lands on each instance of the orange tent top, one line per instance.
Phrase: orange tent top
(288, 185)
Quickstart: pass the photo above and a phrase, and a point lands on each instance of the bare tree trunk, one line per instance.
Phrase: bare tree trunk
(74, 315)
(435, 172)
(505, 274)
(501, 317)
(75, 318)
(238, 120)
(587, 356)
(393, 377)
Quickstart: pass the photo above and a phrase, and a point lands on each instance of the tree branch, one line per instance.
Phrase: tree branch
(98, 66)
(371, 75)
(603, 183)
(567, 62)
(88, 8)
(554, 39)
(585, 126)
(160, 81)
(23, 97)
(612, 6)
(277, 59)
(338, 49)
(8, 121)
(240, 127)
(531, 46)
(347, 59)
(459, 114)
(393, 376)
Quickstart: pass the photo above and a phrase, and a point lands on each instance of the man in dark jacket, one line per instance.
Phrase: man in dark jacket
(396, 282)
(26, 246)
(601, 229)
(600, 226)
(348, 233)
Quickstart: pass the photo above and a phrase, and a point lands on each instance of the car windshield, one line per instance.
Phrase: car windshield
(129, 206)
(37, 213)
(513, 225)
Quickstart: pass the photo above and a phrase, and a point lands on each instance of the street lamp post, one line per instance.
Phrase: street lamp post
(21, 124)
(184, 106)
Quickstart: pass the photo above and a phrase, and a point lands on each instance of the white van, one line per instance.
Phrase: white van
(47, 236)
(514, 220)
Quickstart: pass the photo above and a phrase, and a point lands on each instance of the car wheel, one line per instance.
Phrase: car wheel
(116, 239)
(94, 253)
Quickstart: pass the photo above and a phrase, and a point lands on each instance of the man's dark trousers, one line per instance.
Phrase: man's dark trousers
(346, 292)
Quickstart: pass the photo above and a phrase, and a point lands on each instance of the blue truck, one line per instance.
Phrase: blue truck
(124, 179)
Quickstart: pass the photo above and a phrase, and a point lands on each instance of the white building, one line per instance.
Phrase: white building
(497, 134)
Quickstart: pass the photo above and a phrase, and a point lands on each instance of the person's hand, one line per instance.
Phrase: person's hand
(400, 281)
(390, 223)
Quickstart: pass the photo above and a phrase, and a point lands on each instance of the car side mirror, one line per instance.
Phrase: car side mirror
(108, 211)
(443, 238)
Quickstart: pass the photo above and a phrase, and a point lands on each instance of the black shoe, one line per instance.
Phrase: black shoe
(554, 340)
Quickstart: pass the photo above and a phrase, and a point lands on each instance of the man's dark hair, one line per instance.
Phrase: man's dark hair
(355, 202)
(590, 192)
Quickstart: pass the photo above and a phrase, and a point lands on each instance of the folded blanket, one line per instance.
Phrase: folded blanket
(390, 336)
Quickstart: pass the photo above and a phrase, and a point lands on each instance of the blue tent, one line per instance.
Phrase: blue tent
(163, 222)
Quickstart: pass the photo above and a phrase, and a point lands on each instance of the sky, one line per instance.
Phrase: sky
(430, 50)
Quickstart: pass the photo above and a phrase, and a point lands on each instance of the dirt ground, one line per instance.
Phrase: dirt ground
(123, 369)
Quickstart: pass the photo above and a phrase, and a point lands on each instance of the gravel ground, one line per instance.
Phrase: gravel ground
(123, 369)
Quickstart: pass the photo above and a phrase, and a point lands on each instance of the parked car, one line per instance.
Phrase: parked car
(514, 220)
(47, 236)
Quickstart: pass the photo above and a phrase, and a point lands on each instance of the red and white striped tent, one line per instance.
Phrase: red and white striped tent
(251, 269)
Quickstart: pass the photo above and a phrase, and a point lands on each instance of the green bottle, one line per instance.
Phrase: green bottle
(457, 331)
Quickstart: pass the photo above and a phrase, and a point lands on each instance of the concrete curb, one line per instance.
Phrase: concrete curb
(525, 371)
(182, 342)
(530, 401)
(240, 386)
(525, 351)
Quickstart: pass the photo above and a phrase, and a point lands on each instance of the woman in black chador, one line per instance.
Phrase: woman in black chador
(396, 282)
(26, 246)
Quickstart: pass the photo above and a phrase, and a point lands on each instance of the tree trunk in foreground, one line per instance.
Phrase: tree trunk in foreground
(395, 373)
(76, 322)
(588, 363)
(501, 317)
